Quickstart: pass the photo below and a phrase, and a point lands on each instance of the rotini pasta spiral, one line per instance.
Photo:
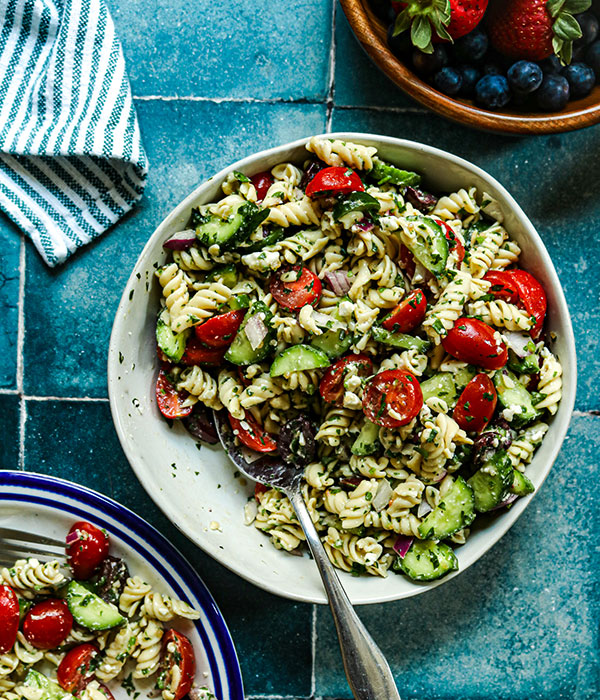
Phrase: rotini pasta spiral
(550, 383)
(29, 577)
(336, 152)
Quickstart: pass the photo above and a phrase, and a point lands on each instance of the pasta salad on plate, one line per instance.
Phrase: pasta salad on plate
(73, 631)
(382, 338)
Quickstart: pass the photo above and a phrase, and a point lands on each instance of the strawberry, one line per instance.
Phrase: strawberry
(534, 29)
(437, 20)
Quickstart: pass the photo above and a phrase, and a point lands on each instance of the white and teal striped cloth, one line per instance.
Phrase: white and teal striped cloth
(71, 157)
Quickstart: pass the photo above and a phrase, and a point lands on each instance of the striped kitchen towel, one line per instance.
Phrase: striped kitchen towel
(71, 156)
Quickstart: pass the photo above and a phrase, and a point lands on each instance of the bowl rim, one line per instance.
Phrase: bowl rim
(407, 80)
(560, 422)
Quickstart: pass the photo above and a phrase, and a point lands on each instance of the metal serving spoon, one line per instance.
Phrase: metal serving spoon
(367, 670)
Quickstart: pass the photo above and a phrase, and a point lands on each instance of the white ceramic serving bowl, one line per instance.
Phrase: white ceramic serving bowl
(199, 490)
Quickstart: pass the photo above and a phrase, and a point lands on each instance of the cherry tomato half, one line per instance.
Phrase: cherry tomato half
(503, 286)
(73, 672)
(392, 398)
(47, 624)
(87, 548)
(532, 296)
(251, 434)
(169, 400)
(258, 489)
(262, 182)
(9, 618)
(331, 386)
(295, 286)
(453, 242)
(198, 354)
(476, 404)
(176, 651)
(408, 314)
(334, 180)
(473, 341)
(219, 331)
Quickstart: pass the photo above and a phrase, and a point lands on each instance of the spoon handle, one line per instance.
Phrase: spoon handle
(367, 670)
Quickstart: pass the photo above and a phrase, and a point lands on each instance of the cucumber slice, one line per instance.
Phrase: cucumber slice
(229, 233)
(440, 385)
(367, 442)
(89, 610)
(239, 301)
(529, 364)
(44, 688)
(172, 344)
(357, 201)
(399, 340)
(386, 172)
(456, 511)
(491, 482)
(463, 376)
(514, 397)
(240, 351)
(521, 485)
(430, 247)
(427, 560)
(297, 359)
(271, 238)
(226, 274)
(333, 343)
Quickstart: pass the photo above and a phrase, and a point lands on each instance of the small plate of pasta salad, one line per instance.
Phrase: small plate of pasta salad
(118, 613)
(393, 329)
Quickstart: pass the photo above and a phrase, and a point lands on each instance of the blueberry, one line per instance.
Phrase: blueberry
(525, 77)
(592, 58)
(470, 76)
(492, 91)
(581, 79)
(492, 69)
(448, 80)
(428, 63)
(553, 93)
(551, 65)
(399, 45)
(472, 47)
(589, 25)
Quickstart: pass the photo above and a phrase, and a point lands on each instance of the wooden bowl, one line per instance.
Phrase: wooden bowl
(372, 34)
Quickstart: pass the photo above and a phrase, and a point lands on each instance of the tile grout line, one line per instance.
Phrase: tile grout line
(20, 344)
(331, 86)
(88, 399)
(252, 100)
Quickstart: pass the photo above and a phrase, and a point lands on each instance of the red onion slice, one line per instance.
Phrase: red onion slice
(439, 478)
(517, 342)
(402, 545)
(365, 225)
(72, 537)
(506, 502)
(256, 331)
(423, 509)
(338, 281)
(182, 240)
(383, 495)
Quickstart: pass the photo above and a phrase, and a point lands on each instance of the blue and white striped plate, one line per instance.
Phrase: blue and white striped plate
(44, 504)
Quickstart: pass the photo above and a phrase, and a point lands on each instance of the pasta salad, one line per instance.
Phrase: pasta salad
(63, 638)
(382, 338)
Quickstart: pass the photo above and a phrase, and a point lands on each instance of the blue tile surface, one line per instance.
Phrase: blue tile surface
(218, 81)
(357, 82)
(9, 429)
(521, 623)
(10, 244)
(186, 142)
(228, 49)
